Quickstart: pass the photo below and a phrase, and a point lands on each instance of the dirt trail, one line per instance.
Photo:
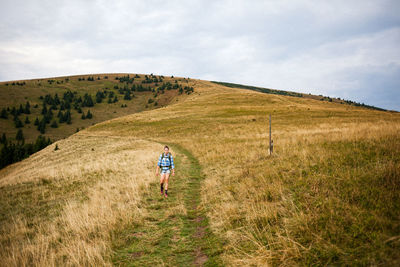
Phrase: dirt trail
(175, 230)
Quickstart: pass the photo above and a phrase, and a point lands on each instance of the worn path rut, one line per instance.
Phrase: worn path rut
(175, 231)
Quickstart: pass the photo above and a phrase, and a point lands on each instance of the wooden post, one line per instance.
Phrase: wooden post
(270, 142)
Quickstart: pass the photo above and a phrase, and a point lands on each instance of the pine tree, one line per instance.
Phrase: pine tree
(20, 135)
(3, 139)
(61, 118)
(4, 114)
(56, 100)
(48, 116)
(99, 96)
(87, 101)
(27, 121)
(42, 126)
(89, 115)
(67, 117)
(18, 122)
(127, 95)
(44, 109)
(27, 108)
(54, 124)
(36, 123)
(83, 116)
(21, 109)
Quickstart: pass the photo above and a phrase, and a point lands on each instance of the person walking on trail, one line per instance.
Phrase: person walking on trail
(165, 165)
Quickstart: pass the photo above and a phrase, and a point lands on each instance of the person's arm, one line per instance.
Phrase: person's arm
(158, 166)
(157, 170)
(172, 166)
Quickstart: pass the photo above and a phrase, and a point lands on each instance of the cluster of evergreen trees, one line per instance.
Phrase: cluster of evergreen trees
(16, 83)
(152, 79)
(12, 152)
(128, 91)
(16, 112)
(63, 105)
(147, 79)
(91, 78)
(187, 89)
(50, 104)
(126, 79)
(87, 116)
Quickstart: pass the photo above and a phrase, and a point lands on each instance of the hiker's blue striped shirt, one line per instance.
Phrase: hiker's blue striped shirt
(165, 163)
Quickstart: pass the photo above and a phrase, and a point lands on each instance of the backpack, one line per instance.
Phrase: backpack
(169, 157)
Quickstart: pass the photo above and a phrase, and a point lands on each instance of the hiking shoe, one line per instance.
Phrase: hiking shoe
(165, 195)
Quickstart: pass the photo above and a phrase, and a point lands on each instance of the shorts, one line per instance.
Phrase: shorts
(165, 171)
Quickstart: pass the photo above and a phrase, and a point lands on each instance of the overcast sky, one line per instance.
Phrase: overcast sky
(348, 49)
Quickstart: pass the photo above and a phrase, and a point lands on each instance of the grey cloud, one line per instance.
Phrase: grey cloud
(326, 48)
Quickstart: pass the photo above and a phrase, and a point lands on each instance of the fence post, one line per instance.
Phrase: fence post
(270, 140)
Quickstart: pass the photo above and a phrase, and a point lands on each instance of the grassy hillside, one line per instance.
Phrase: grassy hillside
(329, 195)
(13, 94)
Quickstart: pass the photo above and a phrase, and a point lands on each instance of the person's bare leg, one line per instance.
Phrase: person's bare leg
(166, 184)
(162, 182)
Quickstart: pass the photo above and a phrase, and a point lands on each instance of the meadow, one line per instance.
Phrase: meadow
(328, 195)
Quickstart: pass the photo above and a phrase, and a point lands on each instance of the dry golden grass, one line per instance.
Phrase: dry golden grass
(328, 196)
(109, 180)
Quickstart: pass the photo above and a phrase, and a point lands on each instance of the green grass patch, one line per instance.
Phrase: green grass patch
(175, 232)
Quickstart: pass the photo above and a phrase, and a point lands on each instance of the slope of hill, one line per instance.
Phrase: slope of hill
(328, 195)
(111, 95)
(34, 112)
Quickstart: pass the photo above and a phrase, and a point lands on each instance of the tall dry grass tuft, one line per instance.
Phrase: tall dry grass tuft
(106, 177)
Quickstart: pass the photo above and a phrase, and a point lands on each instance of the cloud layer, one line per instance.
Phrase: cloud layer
(347, 49)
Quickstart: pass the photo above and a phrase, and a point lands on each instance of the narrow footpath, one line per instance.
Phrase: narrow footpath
(175, 231)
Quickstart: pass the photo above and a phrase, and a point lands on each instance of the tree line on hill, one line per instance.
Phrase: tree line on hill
(16, 151)
(49, 105)
(281, 92)
(147, 79)
(259, 89)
